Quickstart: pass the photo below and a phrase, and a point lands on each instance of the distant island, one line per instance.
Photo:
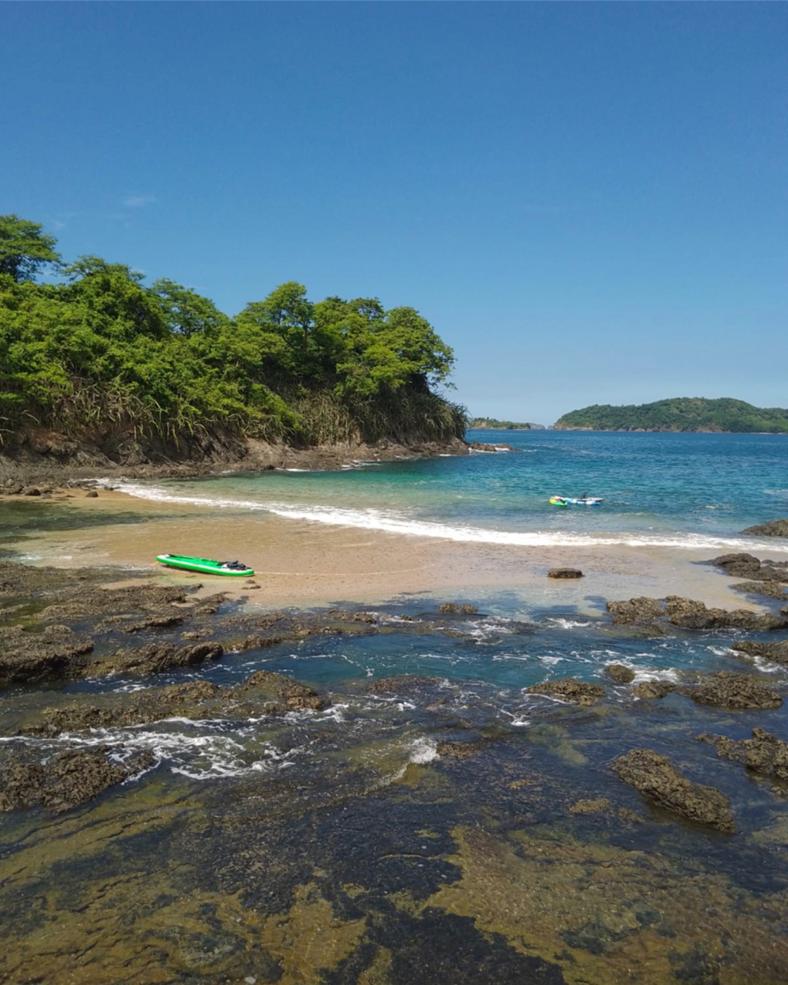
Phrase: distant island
(492, 423)
(678, 414)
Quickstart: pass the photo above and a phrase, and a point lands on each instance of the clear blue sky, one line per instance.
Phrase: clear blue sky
(589, 202)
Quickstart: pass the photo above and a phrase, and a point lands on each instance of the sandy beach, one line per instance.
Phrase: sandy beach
(302, 563)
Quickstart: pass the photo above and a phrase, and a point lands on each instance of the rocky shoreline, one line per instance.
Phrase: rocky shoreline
(50, 466)
(445, 832)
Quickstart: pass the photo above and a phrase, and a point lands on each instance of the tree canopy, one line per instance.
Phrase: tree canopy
(24, 248)
(102, 355)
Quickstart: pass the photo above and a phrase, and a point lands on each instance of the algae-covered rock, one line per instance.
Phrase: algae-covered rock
(458, 609)
(764, 753)
(32, 657)
(263, 693)
(66, 779)
(650, 690)
(570, 689)
(402, 684)
(735, 692)
(156, 657)
(777, 652)
(657, 614)
(564, 573)
(640, 611)
(769, 589)
(657, 778)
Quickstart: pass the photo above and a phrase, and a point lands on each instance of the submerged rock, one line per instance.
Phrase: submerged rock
(777, 652)
(734, 692)
(564, 573)
(66, 779)
(657, 778)
(748, 566)
(263, 692)
(401, 683)
(570, 689)
(770, 589)
(764, 753)
(620, 673)
(649, 690)
(458, 609)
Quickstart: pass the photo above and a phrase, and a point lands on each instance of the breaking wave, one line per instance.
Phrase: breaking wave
(386, 522)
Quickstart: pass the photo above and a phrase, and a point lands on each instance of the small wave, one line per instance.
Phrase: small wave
(372, 519)
(197, 756)
(423, 750)
(562, 623)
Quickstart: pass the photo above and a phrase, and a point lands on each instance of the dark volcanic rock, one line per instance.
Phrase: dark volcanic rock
(65, 780)
(620, 673)
(564, 573)
(657, 778)
(689, 614)
(734, 692)
(777, 652)
(774, 528)
(26, 656)
(764, 753)
(570, 689)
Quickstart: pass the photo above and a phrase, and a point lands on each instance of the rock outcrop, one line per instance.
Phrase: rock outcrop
(620, 673)
(657, 779)
(764, 753)
(735, 692)
(656, 614)
(570, 689)
(774, 528)
(777, 652)
(66, 779)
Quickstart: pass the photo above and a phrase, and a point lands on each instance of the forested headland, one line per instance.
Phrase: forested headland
(93, 359)
(678, 414)
(493, 423)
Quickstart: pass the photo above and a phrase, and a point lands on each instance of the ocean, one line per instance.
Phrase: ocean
(682, 490)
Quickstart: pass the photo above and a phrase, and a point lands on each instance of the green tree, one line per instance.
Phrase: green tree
(24, 248)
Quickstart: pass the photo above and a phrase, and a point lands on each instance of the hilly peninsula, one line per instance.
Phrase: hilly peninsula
(678, 414)
(99, 367)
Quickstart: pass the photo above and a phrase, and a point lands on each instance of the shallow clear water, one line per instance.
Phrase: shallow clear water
(672, 489)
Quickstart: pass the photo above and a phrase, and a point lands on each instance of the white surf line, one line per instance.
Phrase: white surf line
(377, 520)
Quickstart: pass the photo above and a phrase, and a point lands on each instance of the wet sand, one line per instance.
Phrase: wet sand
(301, 563)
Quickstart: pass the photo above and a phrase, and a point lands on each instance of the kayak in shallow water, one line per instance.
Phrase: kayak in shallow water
(575, 500)
(204, 565)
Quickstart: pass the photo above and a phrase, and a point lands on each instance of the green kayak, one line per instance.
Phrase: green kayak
(205, 565)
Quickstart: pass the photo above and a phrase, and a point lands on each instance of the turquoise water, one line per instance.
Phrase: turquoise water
(672, 489)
